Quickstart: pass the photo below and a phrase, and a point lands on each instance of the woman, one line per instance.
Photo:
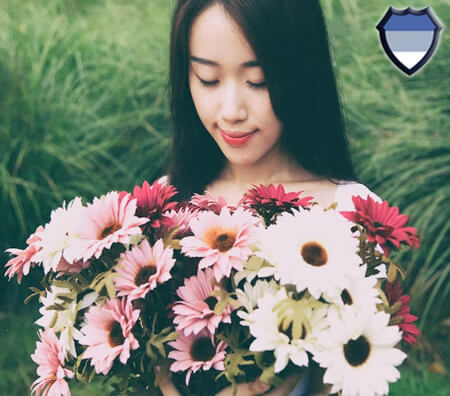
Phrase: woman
(254, 100)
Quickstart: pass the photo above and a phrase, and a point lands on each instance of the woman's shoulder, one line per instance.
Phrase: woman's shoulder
(163, 179)
(347, 189)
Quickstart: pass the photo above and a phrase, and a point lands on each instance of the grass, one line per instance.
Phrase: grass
(399, 135)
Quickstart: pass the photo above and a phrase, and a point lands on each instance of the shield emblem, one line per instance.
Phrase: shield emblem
(409, 37)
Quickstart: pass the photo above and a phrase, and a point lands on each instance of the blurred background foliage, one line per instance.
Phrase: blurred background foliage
(84, 110)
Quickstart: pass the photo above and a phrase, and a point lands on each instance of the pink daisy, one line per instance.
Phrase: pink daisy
(209, 202)
(402, 316)
(383, 223)
(153, 201)
(196, 310)
(23, 262)
(195, 352)
(107, 333)
(49, 355)
(222, 240)
(142, 268)
(64, 267)
(179, 218)
(110, 219)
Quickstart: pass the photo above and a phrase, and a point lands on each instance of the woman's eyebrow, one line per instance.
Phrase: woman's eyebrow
(252, 63)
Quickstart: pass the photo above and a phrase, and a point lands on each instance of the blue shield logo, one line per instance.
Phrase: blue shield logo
(409, 37)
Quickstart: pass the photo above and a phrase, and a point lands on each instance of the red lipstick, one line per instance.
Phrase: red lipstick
(237, 138)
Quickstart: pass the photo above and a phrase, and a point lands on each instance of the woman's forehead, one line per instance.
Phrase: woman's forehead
(216, 40)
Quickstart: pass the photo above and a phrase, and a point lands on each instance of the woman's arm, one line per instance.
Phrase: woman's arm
(248, 389)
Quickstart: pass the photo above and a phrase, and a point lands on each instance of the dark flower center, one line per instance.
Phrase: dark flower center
(314, 254)
(224, 242)
(346, 297)
(211, 301)
(202, 349)
(115, 337)
(111, 229)
(144, 274)
(357, 351)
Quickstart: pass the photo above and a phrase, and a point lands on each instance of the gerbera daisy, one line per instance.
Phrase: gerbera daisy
(264, 324)
(110, 219)
(153, 201)
(63, 319)
(359, 354)
(249, 296)
(107, 333)
(359, 293)
(313, 250)
(60, 233)
(49, 356)
(196, 309)
(384, 224)
(197, 352)
(64, 267)
(270, 201)
(179, 218)
(208, 201)
(142, 268)
(24, 260)
(402, 316)
(222, 240)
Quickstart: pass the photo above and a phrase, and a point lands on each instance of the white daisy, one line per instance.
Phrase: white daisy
(265, 326)
(248, 297)
(359, 293)
(313, 250)
(58, 234)
(359, 354)
(63, 320)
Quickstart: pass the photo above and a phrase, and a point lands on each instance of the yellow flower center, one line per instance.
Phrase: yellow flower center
(224, 242)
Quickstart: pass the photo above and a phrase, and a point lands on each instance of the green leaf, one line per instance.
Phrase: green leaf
(157, 342)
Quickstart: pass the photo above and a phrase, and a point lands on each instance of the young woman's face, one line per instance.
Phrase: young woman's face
(229, 96)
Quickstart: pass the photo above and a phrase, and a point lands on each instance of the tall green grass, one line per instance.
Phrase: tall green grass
(399, 128)
(83, 105)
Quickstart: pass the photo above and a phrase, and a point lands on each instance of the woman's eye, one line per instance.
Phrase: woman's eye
(215, 82)
(208, 83)
(258, 85)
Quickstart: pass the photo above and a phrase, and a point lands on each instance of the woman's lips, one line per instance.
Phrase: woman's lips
(237, 138)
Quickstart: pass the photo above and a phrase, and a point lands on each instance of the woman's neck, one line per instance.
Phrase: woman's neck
(277, 169)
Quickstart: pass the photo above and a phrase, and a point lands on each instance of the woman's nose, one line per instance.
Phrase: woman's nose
(233, 105)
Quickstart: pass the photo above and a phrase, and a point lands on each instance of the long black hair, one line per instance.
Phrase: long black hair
(290, 41)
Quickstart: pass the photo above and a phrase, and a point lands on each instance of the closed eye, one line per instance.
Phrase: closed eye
(215, 82)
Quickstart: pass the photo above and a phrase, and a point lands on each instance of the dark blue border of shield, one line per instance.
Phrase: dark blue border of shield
(431, 50)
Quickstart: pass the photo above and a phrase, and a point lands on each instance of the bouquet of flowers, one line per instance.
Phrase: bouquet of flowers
(137, 287)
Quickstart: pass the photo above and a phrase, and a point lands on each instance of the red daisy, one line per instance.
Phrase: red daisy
(270, 200)
(153, 201)
(383, 224)
(402, 316)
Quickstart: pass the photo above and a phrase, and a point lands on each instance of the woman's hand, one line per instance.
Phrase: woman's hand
(260, 388)
(247, 389)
